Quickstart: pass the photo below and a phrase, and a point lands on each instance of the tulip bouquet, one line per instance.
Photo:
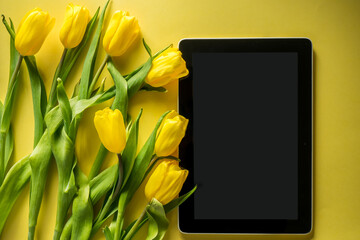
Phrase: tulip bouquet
(57, 118)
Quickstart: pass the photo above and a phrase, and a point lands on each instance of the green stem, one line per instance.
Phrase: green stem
(97, 74)
(53, 95)
(31, 233)
(13, 76)
(120, 177)
(120, 215)
(62, 209)
(112, 198)
(95, 169)
(133, 229)
(2, 156)
(66, 233)
(39, 163)
(5, 126)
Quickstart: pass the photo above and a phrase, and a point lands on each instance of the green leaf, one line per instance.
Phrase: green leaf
(137, 80)
(64, 105)
(110, 212)
(121, 90)
(108, 94)
(9, 146)
(81, 105)
(1, 111)
(66, 233)
(100, 156)
(14, 55)
(82, 208)
(38, 96)
(99, 186)
(9, 106)
(158, 223)
(39, 163)
(168, 207)
(7, 111)
(76, 90)
(147, 48)
(162, 50)
(127, 77)
(63, 149)
(53, 118)
(14, 182)
(10, 29)
(148, 87)
(141, 163)
(11, 91)
(177, 201)
(90, 58)
(108, 234)
(101, 88)
(129, 153)
(110, 230)
(102, 183)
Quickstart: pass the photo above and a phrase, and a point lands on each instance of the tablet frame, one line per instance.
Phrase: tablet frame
(304, 223)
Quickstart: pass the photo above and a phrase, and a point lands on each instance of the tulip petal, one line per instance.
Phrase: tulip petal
(74, 27)
(172, 187)
(33, 29)
(166, 181)
(122, 31)
(111, 129)
(171, 135)
(168, 66)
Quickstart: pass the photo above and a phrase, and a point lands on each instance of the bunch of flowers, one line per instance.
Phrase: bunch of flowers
(57, 118)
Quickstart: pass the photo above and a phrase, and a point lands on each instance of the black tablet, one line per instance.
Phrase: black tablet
(248, 145)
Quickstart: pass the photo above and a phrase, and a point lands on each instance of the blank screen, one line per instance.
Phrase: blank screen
(245, 135)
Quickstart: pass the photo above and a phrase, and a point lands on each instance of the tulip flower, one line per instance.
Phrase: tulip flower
(166, 181)
(170, 134)
(32, 31)
(74, 27)
(110, 127)
(167, 67)
(121, 33)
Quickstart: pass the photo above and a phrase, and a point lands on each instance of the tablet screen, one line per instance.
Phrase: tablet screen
(245, 135)
(248, 146)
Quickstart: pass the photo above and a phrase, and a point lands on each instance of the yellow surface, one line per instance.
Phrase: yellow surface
(332, 25)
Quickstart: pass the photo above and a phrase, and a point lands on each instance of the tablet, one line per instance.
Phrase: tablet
(248, 146)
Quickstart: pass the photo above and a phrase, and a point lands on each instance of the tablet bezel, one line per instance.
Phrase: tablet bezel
(303, 225)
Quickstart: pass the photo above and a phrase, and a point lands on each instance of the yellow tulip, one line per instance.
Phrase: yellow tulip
(32, 31)
(167, 67)
(121, 33)
(74, 27)
(166, 181)
(171, 133)
(110, 127)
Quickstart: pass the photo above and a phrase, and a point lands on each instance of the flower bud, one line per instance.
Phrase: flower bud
(32, 31)
(74, 27)
(166, 67)
(121, 33)
(165, 182)
(110, 127)
(171, 133)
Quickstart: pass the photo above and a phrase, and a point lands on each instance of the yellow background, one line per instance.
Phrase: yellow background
(332, 25)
